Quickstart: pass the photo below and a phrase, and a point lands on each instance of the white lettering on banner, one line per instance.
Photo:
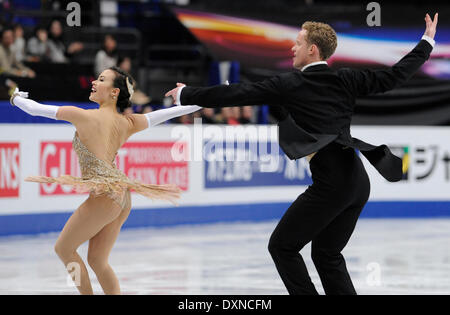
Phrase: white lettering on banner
(221, 169)
(422, 163)
(229, 171)
(73, 166)
(269, 163)
(145, 175)
(5, 170)
(296, 169)
(164, 175)
(174, 175)
(156, 155)
(207, 142)
(425, 152)
(149, 162)
(121, 156)
(9, 172)
(62, 157)
(238, 171)
(153, 163)
(212, 173)
(56, 159)
(48, 150)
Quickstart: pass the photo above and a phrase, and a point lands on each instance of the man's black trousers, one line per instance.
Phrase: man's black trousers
(326, 214)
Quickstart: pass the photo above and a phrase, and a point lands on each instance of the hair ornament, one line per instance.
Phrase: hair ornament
(130, 87)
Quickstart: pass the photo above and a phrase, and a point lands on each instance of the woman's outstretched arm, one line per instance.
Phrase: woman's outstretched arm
(33, 108)
(71, 114)
(139, 122)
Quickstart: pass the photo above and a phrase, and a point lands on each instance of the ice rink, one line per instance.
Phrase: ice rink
(384, 256)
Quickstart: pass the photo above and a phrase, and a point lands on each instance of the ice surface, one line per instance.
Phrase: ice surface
(384, 256)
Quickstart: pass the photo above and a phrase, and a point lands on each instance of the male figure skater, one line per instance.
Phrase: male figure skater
(318, 105)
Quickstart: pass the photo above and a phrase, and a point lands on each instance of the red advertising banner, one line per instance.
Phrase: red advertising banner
(56, 159)
(149, 162)
(153, 163)
(9, 169)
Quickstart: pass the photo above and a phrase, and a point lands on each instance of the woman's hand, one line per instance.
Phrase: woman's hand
(430, 30)
(17, 93)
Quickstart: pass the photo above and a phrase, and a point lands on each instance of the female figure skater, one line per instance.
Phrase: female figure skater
(99, 134)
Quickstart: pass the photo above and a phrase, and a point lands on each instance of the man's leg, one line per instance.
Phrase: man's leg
(328, 244)
(326, 253)
(306, 217)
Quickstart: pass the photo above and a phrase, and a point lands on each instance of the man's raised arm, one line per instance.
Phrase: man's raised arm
(365, 82)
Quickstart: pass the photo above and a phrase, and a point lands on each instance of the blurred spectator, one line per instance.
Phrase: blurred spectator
(138, 98)
(107, 56)
(7, 87)
(38, 46)
(128, 110)
(208, 116)
(8, 63)
(225, 114)
(18, 47)
(231, 115)
(147, 109)
(236, 116)
(59, 51)
(185, 119)
(124, 63)
(247, 115)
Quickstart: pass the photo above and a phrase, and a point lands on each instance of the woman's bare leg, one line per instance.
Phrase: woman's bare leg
(100, 247)
(90, 218)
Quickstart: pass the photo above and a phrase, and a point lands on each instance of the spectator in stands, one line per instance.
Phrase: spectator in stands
(231, 115)
(38, 46)
(185, 119)
(138, 98)
(247, 115)
(8, 62)
(208, 116)
(7, 87)
(124, 63)
(60, 51)
(128, 111)
(147, 109)
(19, 44)
(106, 57)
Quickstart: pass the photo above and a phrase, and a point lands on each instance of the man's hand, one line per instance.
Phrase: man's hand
(430, 30)
(173, 93)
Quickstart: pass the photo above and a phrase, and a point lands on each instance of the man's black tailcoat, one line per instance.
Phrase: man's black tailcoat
(317, 105)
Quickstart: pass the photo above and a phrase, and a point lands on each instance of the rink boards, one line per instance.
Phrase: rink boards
(226, 174)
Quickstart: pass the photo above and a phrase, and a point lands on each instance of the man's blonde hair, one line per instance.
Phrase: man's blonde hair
(323, 36)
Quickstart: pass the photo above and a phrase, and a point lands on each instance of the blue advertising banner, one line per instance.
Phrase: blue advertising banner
(239, 164)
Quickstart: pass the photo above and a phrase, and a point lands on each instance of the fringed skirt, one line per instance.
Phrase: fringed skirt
(113, 187)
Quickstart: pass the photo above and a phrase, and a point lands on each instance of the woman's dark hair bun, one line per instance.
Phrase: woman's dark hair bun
(120, 82)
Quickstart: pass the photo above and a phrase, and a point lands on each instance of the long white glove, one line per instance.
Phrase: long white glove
(159, 116)
(33, 108)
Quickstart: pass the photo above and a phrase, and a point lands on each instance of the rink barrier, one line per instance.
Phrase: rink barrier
(212, 190)
(140, 218)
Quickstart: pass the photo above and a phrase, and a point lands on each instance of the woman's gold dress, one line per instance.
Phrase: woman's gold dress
(100, 177)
